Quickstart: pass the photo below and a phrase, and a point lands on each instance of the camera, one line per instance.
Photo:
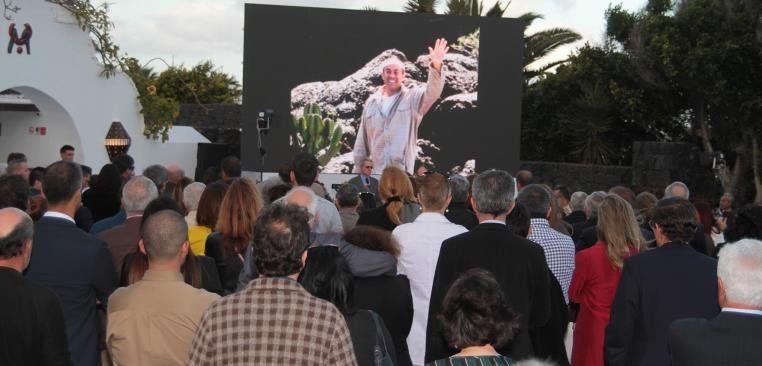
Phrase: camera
(263, 121)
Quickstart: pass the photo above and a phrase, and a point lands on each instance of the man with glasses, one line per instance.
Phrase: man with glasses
(364, 182)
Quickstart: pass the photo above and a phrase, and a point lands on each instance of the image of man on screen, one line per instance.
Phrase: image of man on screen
(388, 131)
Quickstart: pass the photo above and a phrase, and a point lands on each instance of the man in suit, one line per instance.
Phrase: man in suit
(32, 331)
(658, 287)
(365, 183)
(732, 338)
(517, 263)
(123, 239)
(75, 265)
(585, 233)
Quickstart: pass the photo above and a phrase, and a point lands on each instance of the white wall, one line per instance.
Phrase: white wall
(62, 68)
(40, 150)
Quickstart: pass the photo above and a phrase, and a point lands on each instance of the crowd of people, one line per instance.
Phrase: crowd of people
(119, 268)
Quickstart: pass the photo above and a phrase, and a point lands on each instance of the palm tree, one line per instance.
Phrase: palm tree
(536, 45)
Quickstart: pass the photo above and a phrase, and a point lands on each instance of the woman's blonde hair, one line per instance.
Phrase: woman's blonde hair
(238, 213)
(618, 228)
(396, 185)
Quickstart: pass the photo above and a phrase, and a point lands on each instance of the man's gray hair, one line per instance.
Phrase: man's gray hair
(137, 193)
(459, 187)
(12, 240)
(156, 173)
(670, 190)
(577, 201)
(493, 192)
(593, 203)
(347, 195)
(163, 234)
(311, 205)
(536, 199)
(192, 195)
(740, 269)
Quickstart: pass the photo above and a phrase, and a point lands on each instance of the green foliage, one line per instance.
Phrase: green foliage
(201, 84)
(421, 6)
(317, 135)
(159, 111)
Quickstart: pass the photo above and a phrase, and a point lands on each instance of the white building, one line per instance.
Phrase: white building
(75, 105)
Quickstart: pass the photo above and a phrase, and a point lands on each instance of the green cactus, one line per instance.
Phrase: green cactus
(316, 134)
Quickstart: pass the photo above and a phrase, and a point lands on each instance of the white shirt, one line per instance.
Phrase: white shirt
(59, 215)
(420, 242)
(743, 311)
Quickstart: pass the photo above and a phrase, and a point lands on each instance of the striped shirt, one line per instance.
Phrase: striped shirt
(473, 361)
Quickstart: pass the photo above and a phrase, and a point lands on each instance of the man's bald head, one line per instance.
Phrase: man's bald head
(16, 230)
(164, 234)
(176, 173)
(302, 197)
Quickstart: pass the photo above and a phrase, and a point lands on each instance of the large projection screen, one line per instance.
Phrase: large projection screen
(300, 63)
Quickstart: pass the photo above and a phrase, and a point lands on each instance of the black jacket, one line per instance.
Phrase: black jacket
(729, 339)
(363, 330)
(575, 217)
(658, 287)
(229, 265)
(78, 268)
(458, 213)
(519, 267)
(391, 299)
(32, 330)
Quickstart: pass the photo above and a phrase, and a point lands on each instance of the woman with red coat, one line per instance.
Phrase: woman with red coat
(596, 277)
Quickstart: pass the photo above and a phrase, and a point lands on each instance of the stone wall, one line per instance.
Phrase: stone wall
(579, 177)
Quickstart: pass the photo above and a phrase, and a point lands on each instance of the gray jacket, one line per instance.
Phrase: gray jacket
(362, 262)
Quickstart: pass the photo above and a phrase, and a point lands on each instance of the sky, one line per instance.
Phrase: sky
(190, 31)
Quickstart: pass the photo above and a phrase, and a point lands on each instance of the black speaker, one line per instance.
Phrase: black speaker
(209, 155)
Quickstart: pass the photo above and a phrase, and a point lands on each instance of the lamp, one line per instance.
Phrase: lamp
(117, 140)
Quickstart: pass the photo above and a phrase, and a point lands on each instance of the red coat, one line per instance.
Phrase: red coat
(593, 287)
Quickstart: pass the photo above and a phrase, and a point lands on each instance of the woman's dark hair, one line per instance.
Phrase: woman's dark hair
(518, 220)
(475, 312)
(209, 204)
(373, 238)
(677, 218)
(326, 275)
(36, 174)
(138, 264)
(211, 175)
(109, 181)
(277, 191)
(704, 211)
(747, 224)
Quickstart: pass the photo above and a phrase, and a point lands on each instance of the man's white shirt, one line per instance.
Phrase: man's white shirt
(420, 242)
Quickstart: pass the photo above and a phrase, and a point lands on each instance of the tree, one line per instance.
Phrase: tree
(706, 57)
(200, 84)
(536, 45)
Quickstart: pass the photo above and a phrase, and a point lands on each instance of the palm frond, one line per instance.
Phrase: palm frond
(540, 44)
(421, 6)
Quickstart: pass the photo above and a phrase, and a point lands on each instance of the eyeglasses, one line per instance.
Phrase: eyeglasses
(368, 167)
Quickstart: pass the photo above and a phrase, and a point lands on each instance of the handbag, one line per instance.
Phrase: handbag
(381, 355)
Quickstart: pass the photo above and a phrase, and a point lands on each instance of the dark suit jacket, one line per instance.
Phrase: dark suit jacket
(578, 233)
(575, 217)
(32, 330)
(391, 299)
(372, 188)
(78, 268)
(519, 267)
(122, 239)
(229, 265)
(548, 340)
(729, 339)
(458, 213)
(658, 287)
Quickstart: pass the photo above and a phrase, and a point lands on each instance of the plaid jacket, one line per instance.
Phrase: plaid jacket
(559, 252)
(274, 321)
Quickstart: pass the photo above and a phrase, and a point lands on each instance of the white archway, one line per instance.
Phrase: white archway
(21, 129)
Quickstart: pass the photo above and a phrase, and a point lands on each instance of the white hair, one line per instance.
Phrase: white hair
(137, 193)
(593, 203)
(311, 206)
(393, 61)
(577, 201)
(192, 195)
(740, 269)
(677, 184)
